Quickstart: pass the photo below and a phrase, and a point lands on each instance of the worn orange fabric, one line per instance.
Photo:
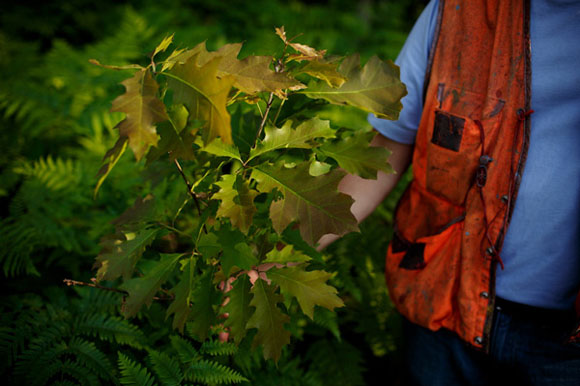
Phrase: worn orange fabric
(470, 147)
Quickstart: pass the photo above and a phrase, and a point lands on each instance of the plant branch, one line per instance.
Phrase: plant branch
(70, 282)
(189, 187)
(265, 116)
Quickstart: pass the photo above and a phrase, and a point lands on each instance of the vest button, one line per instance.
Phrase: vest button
(478, 340)
(489, 250)
(504, 198)
(484, 295)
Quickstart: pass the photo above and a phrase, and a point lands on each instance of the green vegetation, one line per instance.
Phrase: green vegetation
(56, 125)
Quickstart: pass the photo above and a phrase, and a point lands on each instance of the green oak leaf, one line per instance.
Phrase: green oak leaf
(181, 305)
(238, 308)
(286, 255)
(205, 297)
(325, 71)
(236, 251)
(314, 202)
(237, 201)
(309, 288)
(269, 320)
(220, 149)
(141, 290)
(354, 155)
(163, 45)
(204, 94)
(286, 137)
(143, 109)
(376, 88)
(119, 256)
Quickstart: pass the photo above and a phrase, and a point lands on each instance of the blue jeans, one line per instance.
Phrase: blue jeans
(524, 350)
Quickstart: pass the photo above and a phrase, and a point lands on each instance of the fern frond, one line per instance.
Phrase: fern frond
(186, 352)
(111, 329)
(167, 369)
(76, 371)
(218, 348)
(212, 372)
(93, 358)
(133, 373)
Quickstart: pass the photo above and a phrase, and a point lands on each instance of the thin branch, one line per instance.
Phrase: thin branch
(263, 123)
(189, 187)
(70, 282)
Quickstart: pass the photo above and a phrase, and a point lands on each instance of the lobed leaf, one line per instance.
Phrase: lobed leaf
(181, 305)
(314, 202)
(142, 290)
(287, 137)
(309, 288)
(110, 159)
(143, 110)
(204, 94)
(238, 308)
(354, 155)
(269, 320)
(237, 201)
(375, 88)
(118, 257)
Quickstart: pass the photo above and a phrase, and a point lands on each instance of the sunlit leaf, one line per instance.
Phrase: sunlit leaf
(110, 67)
(237, 201)
(109, 161)
(221, 149)
(287, 137)
(143, 110)
(269, 320)
(354, 155)
(204, 94)
(286, 255)
(309, 288)
(314, 202)
(326, 71)
(163, 45)
(375, 88)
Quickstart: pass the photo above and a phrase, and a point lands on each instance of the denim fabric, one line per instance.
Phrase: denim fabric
(522, 352)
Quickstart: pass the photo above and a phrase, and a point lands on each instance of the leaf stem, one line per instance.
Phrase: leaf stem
(189, 187)
(265, 116)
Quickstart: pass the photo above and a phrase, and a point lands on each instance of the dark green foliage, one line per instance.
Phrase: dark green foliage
(55, 126)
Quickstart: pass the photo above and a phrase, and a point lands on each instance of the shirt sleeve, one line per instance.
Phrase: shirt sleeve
(412, 60)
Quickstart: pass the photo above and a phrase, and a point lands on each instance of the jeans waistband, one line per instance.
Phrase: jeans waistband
(535, 314)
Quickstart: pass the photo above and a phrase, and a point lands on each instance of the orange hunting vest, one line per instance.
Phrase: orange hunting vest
(470, 150)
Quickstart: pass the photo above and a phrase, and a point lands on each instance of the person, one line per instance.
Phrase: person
(485, 259)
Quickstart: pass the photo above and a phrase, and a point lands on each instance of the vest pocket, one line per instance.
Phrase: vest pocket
(453, 153)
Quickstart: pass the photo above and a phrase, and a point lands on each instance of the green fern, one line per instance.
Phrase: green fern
(111, 329)
(133, 373)
(167, 369)
(214, 348)
(212, 372)
(186, 352)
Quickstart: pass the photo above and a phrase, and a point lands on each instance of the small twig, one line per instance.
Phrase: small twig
(94, 284)
(265, 117)
(189, 187)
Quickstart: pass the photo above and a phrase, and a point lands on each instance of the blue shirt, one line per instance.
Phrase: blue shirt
(541, 251)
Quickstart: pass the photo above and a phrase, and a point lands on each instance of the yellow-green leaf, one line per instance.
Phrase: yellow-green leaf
(309, 288)
(287, 137)
(221, 149)
(328, 72)
(163, 45)
(110, 159)
(376, 88)
(269, 320)
(286, 255)
(237, 201)
(314, 202)
(143, 110)
(204, 95)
